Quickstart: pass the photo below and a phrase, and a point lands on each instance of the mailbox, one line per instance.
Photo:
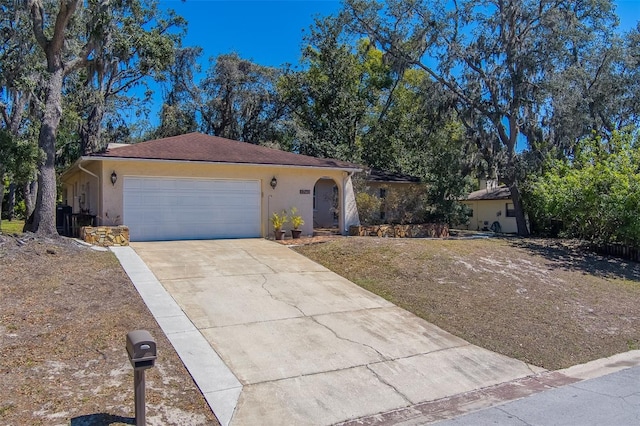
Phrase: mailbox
(141, 348)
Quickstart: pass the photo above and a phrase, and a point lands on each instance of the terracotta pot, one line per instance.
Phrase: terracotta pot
(295, 233)
(279, 234)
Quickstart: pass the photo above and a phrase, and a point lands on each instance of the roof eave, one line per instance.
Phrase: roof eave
(72, 167)
(158, 160)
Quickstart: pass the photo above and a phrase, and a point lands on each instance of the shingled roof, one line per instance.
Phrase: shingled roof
(501, 192)
(383, 176)
(199, 147)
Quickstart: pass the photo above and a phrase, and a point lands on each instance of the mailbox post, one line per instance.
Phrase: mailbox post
(141, 348)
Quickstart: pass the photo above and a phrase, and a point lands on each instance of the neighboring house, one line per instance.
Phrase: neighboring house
(390, 185)
(380, 179)
(196, 186)
(492, 209)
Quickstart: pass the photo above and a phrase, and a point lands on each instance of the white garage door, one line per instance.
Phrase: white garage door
(177, 209)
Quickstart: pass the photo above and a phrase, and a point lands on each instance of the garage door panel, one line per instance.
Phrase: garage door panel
(165, 209)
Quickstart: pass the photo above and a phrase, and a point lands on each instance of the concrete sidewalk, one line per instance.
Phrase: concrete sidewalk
(290, 342)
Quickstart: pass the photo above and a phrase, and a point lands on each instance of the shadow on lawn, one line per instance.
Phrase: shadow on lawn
(101, 419)
(578, 257)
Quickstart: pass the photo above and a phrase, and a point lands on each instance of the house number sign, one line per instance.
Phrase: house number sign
(305, 191)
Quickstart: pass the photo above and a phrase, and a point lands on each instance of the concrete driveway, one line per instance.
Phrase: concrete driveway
(299, 344)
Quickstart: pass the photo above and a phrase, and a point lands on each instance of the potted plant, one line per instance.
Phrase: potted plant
(278, 220)
(296, 222)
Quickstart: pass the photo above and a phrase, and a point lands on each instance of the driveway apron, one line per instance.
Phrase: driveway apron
(306, 345)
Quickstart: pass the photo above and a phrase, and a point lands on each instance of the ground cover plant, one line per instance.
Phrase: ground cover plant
(65, 310)
(545, 302)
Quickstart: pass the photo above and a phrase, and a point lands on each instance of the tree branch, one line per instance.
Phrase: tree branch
(37, 19)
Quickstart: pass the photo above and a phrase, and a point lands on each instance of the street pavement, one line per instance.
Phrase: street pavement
(612, 399)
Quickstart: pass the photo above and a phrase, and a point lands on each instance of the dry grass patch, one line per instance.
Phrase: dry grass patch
(544, 302)
(64, 314)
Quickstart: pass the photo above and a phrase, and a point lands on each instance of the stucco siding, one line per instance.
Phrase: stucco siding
(485, 212)
(352, 218)
(294, 185)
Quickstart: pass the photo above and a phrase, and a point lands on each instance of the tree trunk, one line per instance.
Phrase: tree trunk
(29, 190)
(44, 215)
(1, 190)
(11, 201)
(518, 208)
(90, 131)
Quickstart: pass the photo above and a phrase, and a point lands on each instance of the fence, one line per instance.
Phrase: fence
(618, 250)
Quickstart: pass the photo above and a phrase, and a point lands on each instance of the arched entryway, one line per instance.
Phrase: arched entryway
(326, 206)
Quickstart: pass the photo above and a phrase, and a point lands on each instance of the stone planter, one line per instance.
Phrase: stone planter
(105, 236)
(425, 230)
(295, 233)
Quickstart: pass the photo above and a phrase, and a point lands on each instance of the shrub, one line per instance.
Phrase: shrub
(296, 219)
(368, 208)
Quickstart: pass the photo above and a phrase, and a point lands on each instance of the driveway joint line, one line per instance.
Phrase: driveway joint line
(195, 277)
(297, 376)
(240, 386)
(372, 308)
(421, 353)
(366, 365)
(242, 324)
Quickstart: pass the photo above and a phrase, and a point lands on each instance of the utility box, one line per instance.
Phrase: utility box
(141, 348)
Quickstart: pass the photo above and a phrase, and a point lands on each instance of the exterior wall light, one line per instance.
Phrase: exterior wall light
(114, 178)
(274, 182)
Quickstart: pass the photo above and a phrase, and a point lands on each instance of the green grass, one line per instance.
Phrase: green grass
(12, 227)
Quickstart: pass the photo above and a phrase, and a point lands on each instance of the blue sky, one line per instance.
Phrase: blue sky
(266, 32)
(269, 32)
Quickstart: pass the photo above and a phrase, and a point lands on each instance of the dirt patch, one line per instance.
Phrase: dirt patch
(65, 311)
(303, 241)
(548, 303)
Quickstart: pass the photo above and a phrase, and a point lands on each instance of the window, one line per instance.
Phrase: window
(511, 211)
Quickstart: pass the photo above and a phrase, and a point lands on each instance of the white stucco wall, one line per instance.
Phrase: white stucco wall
(490, 211)
(294, 188)
(352, 218)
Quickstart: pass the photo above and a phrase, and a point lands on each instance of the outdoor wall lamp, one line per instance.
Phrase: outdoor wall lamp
(114, 178)
(274, 182)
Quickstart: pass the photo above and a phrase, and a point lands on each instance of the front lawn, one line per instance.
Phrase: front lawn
(11, 227)
(65, 312)
(544, 302)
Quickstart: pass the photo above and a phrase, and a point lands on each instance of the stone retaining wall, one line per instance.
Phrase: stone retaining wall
(105, 235)
(425, 230)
